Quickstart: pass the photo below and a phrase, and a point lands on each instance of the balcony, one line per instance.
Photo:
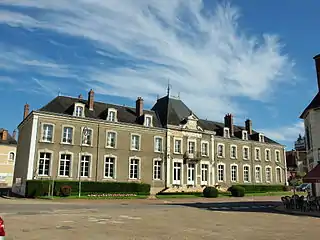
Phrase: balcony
(195, 156)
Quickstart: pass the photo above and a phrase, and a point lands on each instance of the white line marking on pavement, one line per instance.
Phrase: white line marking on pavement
(131, 218)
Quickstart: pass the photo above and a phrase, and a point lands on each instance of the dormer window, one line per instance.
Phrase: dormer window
(78, 110)
(244, 135)
(112, 115)
(148, 121)
(261, 137)
(226, 133)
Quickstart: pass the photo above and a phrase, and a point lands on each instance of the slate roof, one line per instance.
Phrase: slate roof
(315, 103)
(125, 114)
(174, 111)
(10, 140)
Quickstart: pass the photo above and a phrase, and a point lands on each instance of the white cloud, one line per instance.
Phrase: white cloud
(203, 52)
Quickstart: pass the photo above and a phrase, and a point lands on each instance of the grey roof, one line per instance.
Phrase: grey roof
(10, 140)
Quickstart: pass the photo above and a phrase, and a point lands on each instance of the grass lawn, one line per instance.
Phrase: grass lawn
(92, 198)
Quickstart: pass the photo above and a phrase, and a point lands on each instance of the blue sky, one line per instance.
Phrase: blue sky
(250, 58)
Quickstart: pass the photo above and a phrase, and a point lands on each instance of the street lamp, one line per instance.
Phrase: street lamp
(85, 133)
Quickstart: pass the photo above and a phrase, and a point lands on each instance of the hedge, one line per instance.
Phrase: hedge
(210, 192)
(37, 188)
(237, 191)
(249, 188)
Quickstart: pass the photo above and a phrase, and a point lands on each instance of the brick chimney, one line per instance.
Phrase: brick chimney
(317, 62)
(26, 110)
(228, 122)
(248, 124)
(91, 99)
(4, 135)
(14, 134)
(139, 107)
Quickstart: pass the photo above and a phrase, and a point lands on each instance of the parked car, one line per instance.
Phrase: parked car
(2, 232)
(304, 187)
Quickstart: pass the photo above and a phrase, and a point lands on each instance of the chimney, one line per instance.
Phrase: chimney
(249, 126)
(4, 135)
(139, 107)
(80, 97)
(26, 110)
(317, 62)
(14, 133)
(91, 99)
(228, 122)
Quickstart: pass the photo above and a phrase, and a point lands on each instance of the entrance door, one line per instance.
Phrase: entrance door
(191, 174)
(177, 173)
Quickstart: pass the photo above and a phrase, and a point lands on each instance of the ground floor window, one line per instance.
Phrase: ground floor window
(44, 164)
(220, 173)
(268, 174)
(157, 170)
(204, 172)
(234, 173)
(134, 168)
(85, 165)
(177, 173)
(278, 174)
(191, 173)
(65, 165)
(258, 174)
(109, 167)
(246, 174)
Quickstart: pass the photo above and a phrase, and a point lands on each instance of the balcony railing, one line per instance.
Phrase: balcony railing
(192, 156)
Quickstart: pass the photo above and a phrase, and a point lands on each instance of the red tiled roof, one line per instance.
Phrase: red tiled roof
(313, 176)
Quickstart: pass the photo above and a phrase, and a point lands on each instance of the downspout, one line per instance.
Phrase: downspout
(98, 143)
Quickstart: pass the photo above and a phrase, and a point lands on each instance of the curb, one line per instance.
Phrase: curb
(281, 209)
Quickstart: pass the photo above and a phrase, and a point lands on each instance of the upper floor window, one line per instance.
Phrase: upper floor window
(191, 146)
(277, 155)
(148, 121)
(205, 149)
(135, 142)
(86, 136)
(112, 115)
(261, 137)
(267, 154)
(245, 153)
(177, 145)
(244, 135)
(158, 144)
(67, 135)
(257, 154)
(226, 132)
(220, 150)
(233, 151)
(47, 132)
(11, 156)
(111, 139)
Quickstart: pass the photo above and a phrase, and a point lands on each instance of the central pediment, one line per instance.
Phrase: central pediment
(191, 123)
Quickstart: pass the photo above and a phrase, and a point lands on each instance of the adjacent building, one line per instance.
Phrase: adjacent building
(168, 146)
(8, 146)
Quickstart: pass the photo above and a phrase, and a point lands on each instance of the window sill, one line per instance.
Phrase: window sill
(109, 179)
(134, 180)
(158, 151)
(177, 153)
(110, 147)
(85, 145)
(220, 157)
(234, 158)
(63, 143)
(246, 159)
(206, 156)
(41, 141)
(158, 180)
(135, 150)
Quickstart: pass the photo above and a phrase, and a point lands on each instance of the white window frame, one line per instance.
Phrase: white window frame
(223, 150)
(236, 156)
(14, 156)
(145, 120)
(194, 168)
(71, 164)
(115, 112)
(265, 169)
(277, 180)
(42, 132)
(275, 156)
(155, 145)
(237, 172)
(204, 183)
(243, 155)
(50, 165)
(139, 168)
(224, 172)
(249, 173)
(81, 137)
(115, 141)
(261, 137)
(226, 129)
(75, 109)
(195, 146)
(62, 134)
(131, 138)
(114, 166)
(255, 154)
(161, 169)
(265, 155)
(174, 145)
(177, 182)
(208, 151)
(255, 173)
(244, 135)
(90, 164)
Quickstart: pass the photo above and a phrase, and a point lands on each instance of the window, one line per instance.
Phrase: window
(11, 156)
(220, 173)
(234, 173)
(277, 155)
(204, 173)
(47, 134)
(135, 142)
(244, 135)
(67, 135)
(258, 174)
(191, 174)
(134, 169)
(268, 174)
(157, 170)
(111, 139)
(233, 151)
(44, 164)
(87, 136)
(257, 153)
(204, 149)
(148, 121)
(226, 132)
(191, 147)
(158, 144)
(85, 165)
(278, 175)
(261, 138)
(177, 173)
(79, 111)
(109, 167)
(112, 115)
(220, 151)
(177, 146)
(245, 153)
(65, 165)
(246, 173)
(267, 154)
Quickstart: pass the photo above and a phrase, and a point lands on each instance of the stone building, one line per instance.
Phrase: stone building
(168, 146)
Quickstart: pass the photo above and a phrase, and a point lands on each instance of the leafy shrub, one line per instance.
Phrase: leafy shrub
(237, 191)
(286, 188)
(210, 192)
(65, 191)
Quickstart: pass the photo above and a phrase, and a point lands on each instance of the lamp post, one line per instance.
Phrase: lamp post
(84, 135)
